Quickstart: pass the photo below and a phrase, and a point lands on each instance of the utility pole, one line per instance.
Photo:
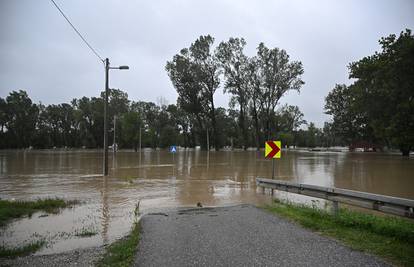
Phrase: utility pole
(105, 156)
(114, 144)
(208, 142)
(140, 145)
(105, 169)
(140, 139)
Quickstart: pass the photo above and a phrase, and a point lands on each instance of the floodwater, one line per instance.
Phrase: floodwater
(160, 180)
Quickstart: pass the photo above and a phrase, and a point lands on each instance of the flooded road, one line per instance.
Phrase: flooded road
(161, 180)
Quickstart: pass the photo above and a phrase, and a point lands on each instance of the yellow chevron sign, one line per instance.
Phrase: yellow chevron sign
(273, 149)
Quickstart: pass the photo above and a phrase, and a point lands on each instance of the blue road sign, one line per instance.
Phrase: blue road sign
(173, 149)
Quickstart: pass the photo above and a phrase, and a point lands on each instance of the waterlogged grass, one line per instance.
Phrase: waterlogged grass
(122, 252)
(16, 209)
(86, 232)
(388, 237)
(6, 252)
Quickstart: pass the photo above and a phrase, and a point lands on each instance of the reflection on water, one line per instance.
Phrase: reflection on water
(162, 180)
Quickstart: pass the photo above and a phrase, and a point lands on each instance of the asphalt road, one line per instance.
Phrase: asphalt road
(237, 236)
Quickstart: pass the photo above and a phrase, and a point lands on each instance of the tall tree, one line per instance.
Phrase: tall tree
(236, 65)
(21, 116)
(54, 121)
(68, 124)
(278, 76)
(291, 118)
(43, 134)
(379, 106)
(347, 122)
(254, 81)
(3, 114)
(194, 73)
(3, 122)
(118, 102)
(384, 85)
(89, 117)
(130, 123)
(207, 72)
(183, 77)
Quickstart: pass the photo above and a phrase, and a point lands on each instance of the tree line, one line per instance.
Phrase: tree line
(79, 124)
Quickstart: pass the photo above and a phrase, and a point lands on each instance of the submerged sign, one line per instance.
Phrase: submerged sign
(173, 149)
(273, 149)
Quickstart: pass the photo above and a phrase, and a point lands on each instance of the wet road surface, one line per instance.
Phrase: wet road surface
(237, 236)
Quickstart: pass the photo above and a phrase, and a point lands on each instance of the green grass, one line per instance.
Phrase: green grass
(16, 209)
(122, 252)
(388, 237)
(86, 232)
(21, 251)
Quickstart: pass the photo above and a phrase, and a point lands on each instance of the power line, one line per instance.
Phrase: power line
(74, 28)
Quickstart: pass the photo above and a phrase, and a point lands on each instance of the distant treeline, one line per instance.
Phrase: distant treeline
(378, 108)
(80, 124)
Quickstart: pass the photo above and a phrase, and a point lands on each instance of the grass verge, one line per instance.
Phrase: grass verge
(122, 252)
(21, 251)
(388, 237)
(16, 209)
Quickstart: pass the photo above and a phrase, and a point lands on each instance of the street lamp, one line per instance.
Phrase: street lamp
(107, 68)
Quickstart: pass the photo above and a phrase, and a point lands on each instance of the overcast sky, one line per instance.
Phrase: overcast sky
(41, 54)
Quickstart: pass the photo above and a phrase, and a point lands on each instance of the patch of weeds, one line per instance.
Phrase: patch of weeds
(6, 252)
(85, 232)
(389, 237)
(16, 209)
(122, 252)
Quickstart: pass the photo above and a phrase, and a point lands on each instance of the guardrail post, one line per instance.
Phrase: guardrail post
(335, 208)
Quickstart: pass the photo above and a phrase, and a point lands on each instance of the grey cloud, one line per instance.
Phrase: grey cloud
(40, 53)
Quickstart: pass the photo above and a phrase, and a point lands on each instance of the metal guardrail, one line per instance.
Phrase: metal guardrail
(393, 205)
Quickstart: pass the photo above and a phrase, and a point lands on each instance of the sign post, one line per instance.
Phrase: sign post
(173, 150)
(273, 151)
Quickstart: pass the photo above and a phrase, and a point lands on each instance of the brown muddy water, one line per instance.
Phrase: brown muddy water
(160, 180)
